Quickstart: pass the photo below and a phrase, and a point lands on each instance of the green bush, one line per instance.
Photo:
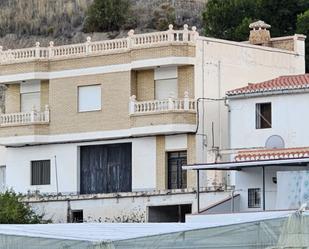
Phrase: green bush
(230, 19)
(12, 211)
(106, 15)
(163, 16)
(303, 28)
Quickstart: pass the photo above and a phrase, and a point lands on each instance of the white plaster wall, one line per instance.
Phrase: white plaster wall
(18, 165)
(123, 208)
(3, 156)
(176, 142)
(222, 66)
(144, 164)
(252, 178)
(18, 175)
(290, 119)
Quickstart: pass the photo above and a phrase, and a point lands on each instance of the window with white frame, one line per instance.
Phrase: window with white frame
(89, 98)
(263, 115)
(40, 172)
(166, 83)
(254, 198)
(30, 96)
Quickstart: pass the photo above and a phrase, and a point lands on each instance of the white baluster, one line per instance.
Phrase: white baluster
(88, 47)
(132, 104)
(170, 33)
(171, 101)
(186, 101)
(37, 50)
(130, 39)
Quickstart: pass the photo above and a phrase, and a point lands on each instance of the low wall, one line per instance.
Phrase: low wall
(120, 207)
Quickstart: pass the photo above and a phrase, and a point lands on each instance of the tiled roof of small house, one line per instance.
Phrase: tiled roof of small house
(270, 154)
(291, 82)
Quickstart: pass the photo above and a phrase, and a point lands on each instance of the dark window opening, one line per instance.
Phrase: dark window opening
(106, 168)
(263, 115)
(77, 216)
(172, 213)
(254, 198)
(177, 177)
(40, 172)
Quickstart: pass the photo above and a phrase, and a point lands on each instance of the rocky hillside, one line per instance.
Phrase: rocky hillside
(23, 22)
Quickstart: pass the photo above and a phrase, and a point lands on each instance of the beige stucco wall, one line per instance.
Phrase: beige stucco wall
(191, 159)
(63, 100)
(12, 98)
(145, 85)
(287, 44)
(163, 118)
(17, 68)
(186, 80)
(161, 171)
(178, 50)
(22, 130)
(44, 94)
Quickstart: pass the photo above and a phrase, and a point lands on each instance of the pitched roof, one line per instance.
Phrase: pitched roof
(269, 154)
(290, 82)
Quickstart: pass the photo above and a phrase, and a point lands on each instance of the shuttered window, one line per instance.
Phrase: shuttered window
(89, 98)
(30, 96)
(40, 172)
(166, 82)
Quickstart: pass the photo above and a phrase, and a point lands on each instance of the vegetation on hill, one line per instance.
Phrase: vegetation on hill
(303, 28)
(14, 212)
(107, 15)
(230, 19)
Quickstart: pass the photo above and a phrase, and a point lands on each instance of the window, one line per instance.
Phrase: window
(254, 198)
(263, 115)
(89, 98)
(30, 96)
(40, 172)
(77, 216)
(166, 82)
(177, 177)
(2, 178)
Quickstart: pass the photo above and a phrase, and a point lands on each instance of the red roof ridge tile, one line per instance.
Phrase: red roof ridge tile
(283, 82)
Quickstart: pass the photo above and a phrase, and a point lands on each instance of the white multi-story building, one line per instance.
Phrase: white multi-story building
(269, 145)
(122, 116)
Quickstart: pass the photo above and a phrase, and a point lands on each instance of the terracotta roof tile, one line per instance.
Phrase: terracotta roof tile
(281, 83)
(269, 154)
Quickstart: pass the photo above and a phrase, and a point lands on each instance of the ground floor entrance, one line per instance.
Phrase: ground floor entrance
(106, 168)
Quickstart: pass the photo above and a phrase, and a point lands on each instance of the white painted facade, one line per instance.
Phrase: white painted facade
(125, 207)
(218, 66)
(289, 120)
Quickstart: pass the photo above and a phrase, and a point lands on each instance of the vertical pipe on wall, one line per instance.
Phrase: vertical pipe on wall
(56, 174)
(263, 175)
(198, 191)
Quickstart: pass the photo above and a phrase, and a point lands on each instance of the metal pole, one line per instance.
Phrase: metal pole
(198, 191)
(263, 173)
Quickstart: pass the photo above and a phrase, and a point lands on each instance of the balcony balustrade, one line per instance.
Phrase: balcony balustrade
(160, 106)
(101, 47)
(25, 118)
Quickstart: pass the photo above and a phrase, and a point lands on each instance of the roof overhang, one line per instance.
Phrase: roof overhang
(248, 164)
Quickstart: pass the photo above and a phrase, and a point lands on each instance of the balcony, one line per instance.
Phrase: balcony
(89, 48)
(179, 113)
(162, 106)
(25, 118)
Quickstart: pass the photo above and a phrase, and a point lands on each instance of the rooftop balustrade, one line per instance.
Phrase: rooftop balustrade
(89, 48)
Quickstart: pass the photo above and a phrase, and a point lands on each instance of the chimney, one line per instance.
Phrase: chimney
(259, 33)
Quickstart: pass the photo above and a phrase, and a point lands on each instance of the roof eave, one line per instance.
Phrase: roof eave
(267, 93)
(246, 164)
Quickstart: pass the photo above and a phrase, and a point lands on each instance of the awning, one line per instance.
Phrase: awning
(248, 164)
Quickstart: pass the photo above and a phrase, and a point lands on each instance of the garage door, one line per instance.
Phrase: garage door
(106, 168)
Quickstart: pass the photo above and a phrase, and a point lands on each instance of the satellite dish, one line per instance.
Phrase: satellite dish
(274, 142)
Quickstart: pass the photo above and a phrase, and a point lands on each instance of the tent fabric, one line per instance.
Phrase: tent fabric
(292, 189)
(261, 234)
